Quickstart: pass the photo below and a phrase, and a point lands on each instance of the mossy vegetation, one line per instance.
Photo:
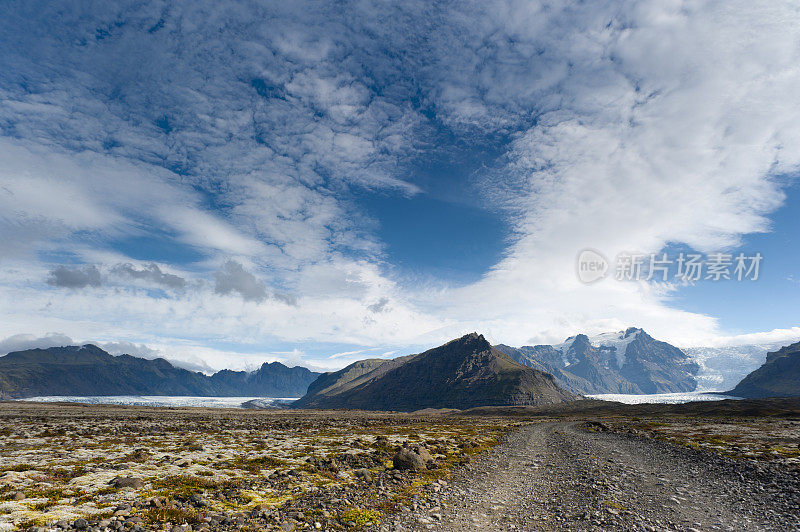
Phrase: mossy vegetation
(184, 486)
(361, 517)
(254, 465)
(758, 438)
(178, 516)
(28, 523)
(236, 463)
(19, 468)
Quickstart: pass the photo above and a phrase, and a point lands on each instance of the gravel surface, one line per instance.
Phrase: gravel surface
(579, 476)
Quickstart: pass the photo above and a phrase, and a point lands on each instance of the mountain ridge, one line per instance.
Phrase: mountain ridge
(463, 373)
(89, 370)
(627, 362)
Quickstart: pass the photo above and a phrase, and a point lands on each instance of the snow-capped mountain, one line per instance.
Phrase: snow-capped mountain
(611, 346)
(628, 361)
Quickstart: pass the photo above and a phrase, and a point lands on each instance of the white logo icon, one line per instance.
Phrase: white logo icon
(591, 266)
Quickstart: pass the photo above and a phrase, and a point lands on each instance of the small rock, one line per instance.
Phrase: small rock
(81, 524)
(364, 474)
(18, 496)
(127, 482)
(198, 500)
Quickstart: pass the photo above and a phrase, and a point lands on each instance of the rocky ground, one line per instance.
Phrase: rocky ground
(80, 467)
(129, 469)
(579, 475)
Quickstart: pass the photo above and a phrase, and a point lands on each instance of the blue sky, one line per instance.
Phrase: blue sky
(227, 184)
(769, 302)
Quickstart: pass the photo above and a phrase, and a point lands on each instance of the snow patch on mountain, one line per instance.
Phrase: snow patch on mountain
(616, 342)
(565, 348)
(610, 343)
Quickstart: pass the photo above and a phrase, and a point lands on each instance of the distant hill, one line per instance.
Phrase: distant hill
(778, 377)
(88, 370)
(464, 373)
(630, 362)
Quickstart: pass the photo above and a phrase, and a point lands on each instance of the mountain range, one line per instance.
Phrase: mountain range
(463, 373)
(626, 362)
(88, 370)
(778, 377)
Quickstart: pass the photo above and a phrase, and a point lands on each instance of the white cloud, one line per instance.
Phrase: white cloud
(150, 273)
(770, 338)
(670, 126)
(632, 125)
(129, 348)
(21, 342)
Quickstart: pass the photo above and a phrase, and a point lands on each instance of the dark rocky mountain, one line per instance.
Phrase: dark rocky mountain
(278, 380)
(778, 377)
(88, 370)
(463, 373)
(629, 361)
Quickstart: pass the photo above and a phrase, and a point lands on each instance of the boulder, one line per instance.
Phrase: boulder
(409, 459)
(423, 453)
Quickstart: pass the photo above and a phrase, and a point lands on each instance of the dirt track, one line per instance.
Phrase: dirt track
(554, 476)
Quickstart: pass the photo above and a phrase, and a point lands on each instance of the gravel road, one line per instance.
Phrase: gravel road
(560, 476)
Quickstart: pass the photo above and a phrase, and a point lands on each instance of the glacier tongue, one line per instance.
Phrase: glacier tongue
(721, 368)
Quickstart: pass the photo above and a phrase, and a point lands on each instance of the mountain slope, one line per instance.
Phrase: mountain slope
(352, 376)
(629, 361)
(463, 373)
(543, 358)
(778, 377)
(88, 370)
(658, 367)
